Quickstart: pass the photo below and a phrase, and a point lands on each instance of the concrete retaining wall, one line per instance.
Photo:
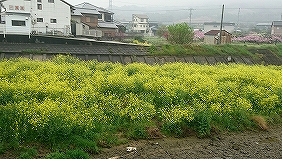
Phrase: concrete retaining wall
(124, 54)
(125, 59)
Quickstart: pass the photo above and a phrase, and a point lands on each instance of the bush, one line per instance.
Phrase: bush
(56, 155)
(76, 154)
(28, 154)
(180, 34)
(69, 154)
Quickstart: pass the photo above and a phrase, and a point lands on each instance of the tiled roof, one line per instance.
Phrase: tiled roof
(215, 32)
(277, 23)
(141, 16)
(86, 5)
(79, 11)
(263, 24)
(217, 23)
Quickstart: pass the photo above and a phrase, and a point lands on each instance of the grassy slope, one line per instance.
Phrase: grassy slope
(203, 49)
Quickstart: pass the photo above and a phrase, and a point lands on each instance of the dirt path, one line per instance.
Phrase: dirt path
(254, 144)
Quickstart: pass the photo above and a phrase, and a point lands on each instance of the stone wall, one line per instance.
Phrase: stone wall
(126, 54)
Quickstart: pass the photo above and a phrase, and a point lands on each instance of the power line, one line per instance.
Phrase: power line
(185, 9)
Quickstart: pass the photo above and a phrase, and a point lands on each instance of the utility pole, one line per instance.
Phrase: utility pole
(221, 25)
(190, 16)
(238, 20)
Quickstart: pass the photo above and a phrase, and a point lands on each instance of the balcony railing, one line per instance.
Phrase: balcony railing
(92, 32)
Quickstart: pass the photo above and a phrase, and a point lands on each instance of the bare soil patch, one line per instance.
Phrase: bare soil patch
(249, 144)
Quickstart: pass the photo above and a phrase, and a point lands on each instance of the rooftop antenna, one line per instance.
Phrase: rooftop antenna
(110, 5)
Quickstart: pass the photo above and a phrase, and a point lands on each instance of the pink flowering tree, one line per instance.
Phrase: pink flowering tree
(198, 35)
(256, 38)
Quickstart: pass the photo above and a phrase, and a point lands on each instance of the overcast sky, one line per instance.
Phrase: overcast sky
(182, 3)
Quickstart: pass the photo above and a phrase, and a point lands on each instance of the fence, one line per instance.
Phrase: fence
(51, 31)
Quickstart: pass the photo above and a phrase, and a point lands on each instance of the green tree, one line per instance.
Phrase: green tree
(162, 31)
(180, 33)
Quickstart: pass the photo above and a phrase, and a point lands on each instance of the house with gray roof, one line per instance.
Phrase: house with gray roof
(93, 21)
(276, 28)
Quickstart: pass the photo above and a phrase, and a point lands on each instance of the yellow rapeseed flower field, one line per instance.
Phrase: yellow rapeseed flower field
(65, 96)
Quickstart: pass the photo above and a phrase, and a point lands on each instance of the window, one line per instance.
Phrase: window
(51, 1)
(100, 16)
(17, 7)
(11, 7)
(18, 23)
(39, 6)
(39, 1)
(2, 19)
(53, 20)
(39, 20)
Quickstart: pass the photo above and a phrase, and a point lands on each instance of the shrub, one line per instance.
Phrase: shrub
(28, 154)
(180, 34)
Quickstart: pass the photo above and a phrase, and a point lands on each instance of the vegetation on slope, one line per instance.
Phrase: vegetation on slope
(210, 50)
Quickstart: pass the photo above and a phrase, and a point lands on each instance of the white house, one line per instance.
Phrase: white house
(27, 17)
(140, 23)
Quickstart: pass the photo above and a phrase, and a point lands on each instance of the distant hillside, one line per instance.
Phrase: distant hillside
(246, 14)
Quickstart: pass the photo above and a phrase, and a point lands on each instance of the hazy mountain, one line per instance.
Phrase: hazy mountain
(248, 13)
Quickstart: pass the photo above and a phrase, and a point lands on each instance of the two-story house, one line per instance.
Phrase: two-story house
(229, 27)
(95, 21)
(276, 28)
(25, 17)
(140, 23)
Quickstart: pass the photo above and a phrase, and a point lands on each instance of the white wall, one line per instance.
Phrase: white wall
(24, 30)
(57, 10)
(138, 25)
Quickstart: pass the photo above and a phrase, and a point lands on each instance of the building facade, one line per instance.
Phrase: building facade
(27, 17)
(140, 23)
(212, 37)
(276, 28)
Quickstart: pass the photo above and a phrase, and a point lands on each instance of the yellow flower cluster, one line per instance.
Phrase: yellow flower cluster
(84, 94)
